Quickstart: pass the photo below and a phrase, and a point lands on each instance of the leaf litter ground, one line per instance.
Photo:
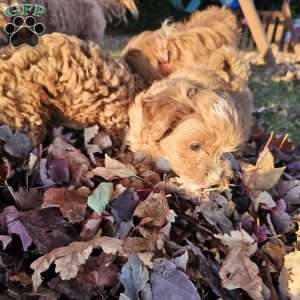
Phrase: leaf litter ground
(81, 219)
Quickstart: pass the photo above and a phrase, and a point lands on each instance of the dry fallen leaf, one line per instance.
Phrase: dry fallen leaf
(292, 266)
(10, 219)
(67, 266)
(281, 220)
(100, 197)
(74, 289)
(16, 144)
(28, 199)
(274, 249)
(95, 141)
(263, 176)
(265, 199)
(72, 202)
(237, 240)
(48, 229)
(22, 278)
(135, 279)
(138, 244)
(237, 270)
(181, 261)
(146, 258)
(68, 259)
(154, 210)
(168, 282)
(90, 133)
(291, 193)
(5, 239)
(122, 208)
(217, 212)
(77, 162)
(91, 226)
(113, 169)
(100, 271)
(102, 140)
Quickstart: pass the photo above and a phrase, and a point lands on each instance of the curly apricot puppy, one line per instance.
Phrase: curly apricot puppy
(66, 77)
(156, 54)
(195, 118)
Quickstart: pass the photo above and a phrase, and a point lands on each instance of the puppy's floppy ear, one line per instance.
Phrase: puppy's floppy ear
(135, 58)
(141, 65)
(162, 114)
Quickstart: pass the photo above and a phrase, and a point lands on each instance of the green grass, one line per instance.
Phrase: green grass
(116, 53)
(278, 104)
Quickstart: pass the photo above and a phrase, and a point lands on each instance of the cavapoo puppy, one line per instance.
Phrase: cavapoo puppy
(63, 77)
(86, 19)
(155, 54)
(195, 118)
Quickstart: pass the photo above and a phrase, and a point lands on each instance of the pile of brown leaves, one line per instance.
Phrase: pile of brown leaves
(80, 220)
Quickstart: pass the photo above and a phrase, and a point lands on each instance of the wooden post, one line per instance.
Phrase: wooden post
(257, 31)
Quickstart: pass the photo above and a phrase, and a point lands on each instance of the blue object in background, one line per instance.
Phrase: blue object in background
(234, 4)
(190, 8)
(193, 5)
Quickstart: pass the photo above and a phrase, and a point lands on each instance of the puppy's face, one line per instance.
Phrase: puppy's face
(198, 154)
(192, 127)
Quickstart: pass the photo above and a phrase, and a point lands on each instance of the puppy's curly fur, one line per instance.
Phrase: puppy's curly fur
(195, 118)
(63, 76)
(84, 18)
(155, 54)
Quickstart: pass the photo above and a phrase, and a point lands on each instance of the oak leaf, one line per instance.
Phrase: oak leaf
(263, 176)
(292, 266)
(71, 202)
(113, 169)
(238, 270)
(154, 210)
(68, 259)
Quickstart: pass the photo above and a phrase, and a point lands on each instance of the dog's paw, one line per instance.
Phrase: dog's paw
(24, 31)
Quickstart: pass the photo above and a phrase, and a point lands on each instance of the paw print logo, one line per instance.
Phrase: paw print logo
(24, 31)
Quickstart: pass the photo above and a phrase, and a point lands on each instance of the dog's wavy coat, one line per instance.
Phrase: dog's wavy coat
(67, 79)
(155, 54)
(195, 118)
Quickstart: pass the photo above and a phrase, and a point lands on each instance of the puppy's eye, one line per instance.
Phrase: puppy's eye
(195, 147)
(192, 91)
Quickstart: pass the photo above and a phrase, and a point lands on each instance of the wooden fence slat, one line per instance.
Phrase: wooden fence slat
(268, 27)
(257, 31)
(279, 33)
